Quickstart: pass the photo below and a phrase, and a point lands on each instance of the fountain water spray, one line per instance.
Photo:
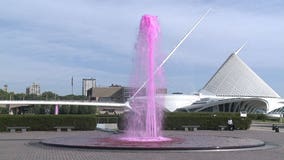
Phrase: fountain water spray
(145, 122)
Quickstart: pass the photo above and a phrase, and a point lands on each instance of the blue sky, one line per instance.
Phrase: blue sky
(49, 41)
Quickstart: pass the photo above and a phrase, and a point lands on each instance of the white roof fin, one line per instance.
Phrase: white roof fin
(241, 48)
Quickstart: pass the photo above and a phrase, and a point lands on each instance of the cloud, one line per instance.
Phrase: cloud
(19, 73)
(95, 39)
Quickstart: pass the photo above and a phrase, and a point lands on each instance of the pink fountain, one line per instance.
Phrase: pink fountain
(145, 122)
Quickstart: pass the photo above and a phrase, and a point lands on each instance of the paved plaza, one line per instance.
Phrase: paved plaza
(26, 146)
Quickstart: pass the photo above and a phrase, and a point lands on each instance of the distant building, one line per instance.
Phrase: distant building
(106, 94)
(129, 91)
(33, 89)
(5, 88)
(87, 84)
(115, 93)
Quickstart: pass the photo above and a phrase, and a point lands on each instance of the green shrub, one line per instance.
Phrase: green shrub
(4, 110)
(107, 118)
(48, 122)
(207, 121)
(262, 117)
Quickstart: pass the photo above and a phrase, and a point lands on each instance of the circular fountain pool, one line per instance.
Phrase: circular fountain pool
(180, 142)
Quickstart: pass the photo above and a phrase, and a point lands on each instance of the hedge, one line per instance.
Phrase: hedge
(108, 118)
(48, 122)
(262, 117)
(4, 110)
(172, 121)
(207, 121)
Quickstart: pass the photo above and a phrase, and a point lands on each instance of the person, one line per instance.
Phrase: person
(231, 126)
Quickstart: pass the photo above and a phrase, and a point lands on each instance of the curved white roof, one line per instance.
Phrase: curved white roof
(235, 78)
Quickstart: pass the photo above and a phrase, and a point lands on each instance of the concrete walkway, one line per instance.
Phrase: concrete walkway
(25, 146)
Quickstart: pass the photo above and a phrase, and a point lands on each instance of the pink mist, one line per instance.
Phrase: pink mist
(145, 120)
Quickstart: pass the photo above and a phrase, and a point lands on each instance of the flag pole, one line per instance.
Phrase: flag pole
(72, 85)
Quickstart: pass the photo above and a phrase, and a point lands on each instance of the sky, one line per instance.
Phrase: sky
(50, 41)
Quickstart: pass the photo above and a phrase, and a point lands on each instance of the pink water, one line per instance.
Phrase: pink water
(145, 122)
(56, 110)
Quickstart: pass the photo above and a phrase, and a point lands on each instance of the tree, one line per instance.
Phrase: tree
(83, 110)
(41, 110)
(64, 109)
(73, 97)
(92, 109)
(73, 109)
(49, 95)
(20, 96)
(4, 110)
(52, 109)
(4, 95)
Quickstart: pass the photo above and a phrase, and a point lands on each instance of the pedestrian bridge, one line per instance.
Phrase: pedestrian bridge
(15, 104)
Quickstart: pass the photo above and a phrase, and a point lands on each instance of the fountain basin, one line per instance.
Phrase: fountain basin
(179, 142)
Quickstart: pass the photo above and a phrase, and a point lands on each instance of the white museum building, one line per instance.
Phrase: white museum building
(234, 87)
